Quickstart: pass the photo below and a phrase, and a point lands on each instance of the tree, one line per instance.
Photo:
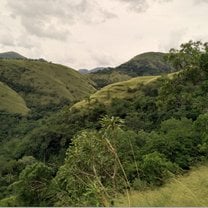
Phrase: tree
(190, 55)
(96, 166)
(33, 184)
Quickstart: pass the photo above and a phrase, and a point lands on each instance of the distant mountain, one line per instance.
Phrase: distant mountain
(151, 63)
(11, 55)
(97, 69)
(88, 71)
(39, 86)
(83, 71)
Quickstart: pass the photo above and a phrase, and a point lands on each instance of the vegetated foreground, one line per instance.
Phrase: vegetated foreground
(136, 135)
(190, 190)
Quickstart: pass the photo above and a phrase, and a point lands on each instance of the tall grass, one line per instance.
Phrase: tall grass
(188, 190)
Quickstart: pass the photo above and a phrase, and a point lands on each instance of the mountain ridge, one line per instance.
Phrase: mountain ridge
(11, 55)
(44, 85)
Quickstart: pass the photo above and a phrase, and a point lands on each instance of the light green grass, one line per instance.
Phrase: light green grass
(121, 90)
(10, 101)
(117, 90)
(188, 190)
(43, 83)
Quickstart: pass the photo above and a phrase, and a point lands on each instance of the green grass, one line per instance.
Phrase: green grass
(188, 190)
(121, 90)
(145, 64)
(117, 90)
(11, 102)
(41, 83)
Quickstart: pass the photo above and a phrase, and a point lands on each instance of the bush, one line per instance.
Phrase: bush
(156, 168)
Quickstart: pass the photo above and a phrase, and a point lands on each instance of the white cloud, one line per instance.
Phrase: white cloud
(89, 33)
(53, 18)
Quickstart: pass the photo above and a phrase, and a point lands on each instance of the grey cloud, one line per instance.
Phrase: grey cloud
(137, 5)
(53, 18)
(102, 59)
(200, 1)
(175, 39)
(141, 5)
(7, 40)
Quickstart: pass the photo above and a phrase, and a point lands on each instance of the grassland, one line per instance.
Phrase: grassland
(41, 83)
(121, 90)
(188, 190)
(10, 101)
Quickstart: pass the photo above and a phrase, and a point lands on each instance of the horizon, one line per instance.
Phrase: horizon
(77, 69)
(86, 34)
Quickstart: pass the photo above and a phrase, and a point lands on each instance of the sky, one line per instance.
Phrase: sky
(84, 34)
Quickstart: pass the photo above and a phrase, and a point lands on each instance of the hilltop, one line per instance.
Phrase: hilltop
(150, 63)
(11, 55)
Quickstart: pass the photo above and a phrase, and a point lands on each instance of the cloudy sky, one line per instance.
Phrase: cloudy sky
(91, 33)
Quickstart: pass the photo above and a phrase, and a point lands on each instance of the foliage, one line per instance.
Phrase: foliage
(32, 187)
(163, 132)
(94, 169)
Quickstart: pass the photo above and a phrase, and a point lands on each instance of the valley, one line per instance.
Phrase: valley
(67, 139)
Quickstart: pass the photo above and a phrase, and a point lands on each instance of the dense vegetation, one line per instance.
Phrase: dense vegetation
(132, 143)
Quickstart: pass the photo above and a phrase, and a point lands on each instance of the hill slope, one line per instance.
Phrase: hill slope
(121, 90)
(10, 101)
(151, 63)
(11, 55)
(189, 190)
(43, 84)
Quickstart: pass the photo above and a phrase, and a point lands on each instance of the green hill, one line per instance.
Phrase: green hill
(145, 142)
(116, 90)
(11, 55)
(146, 64)
(44, 85)
(189, 190)
(10, 101)
(121, 90)
(151, 63)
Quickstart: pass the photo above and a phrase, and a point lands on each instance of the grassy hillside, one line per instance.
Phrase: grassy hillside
(10, 101)
(145, 140)
(43, 84)
(121, 90)
(151, 63)
(11, 55)
(188, 190)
